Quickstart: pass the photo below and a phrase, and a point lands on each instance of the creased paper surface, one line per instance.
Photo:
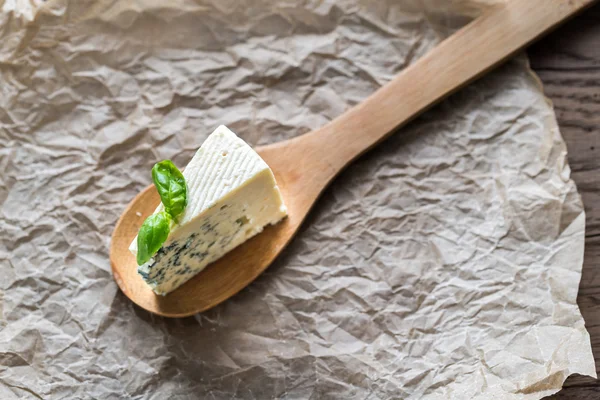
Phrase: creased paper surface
(444, 264)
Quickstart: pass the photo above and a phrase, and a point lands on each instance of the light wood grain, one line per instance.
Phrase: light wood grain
(305, 165)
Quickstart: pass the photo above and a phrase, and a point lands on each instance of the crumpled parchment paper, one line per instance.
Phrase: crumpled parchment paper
(444, 264)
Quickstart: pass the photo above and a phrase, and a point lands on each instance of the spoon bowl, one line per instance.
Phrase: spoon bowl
(305, 165)
(219, 281)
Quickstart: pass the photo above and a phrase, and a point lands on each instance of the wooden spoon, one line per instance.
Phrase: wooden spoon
(305, 165)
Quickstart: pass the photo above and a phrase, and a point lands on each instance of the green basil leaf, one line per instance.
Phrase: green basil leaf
(152, 235)
(170, 183)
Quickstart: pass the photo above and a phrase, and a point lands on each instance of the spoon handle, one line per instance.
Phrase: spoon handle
(466, 55)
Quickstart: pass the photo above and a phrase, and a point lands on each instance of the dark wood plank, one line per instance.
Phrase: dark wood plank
(568, 62)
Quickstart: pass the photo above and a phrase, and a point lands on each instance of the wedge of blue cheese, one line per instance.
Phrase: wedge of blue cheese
(232, 196)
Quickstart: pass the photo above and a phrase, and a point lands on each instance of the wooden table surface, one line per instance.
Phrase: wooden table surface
(568, 62)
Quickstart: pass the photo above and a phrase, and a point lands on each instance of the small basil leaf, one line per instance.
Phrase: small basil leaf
(170, 183)
(152, 235)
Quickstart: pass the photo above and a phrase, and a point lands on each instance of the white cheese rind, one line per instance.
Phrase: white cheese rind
(232, 196)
